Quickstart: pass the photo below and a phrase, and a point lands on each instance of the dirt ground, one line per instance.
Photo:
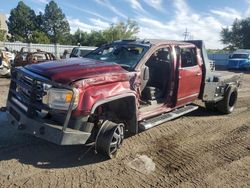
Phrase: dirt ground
(201, 149)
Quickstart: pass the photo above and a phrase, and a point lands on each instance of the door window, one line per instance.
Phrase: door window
(159, 69)
(188, 57)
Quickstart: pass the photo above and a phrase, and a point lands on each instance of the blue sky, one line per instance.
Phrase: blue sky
(166, 19)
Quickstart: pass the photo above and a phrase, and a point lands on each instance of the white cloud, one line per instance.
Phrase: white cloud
(181, 8)
(96, 25)
(77, 24)
(95, 14)
(99, 23)
(156, 4)
(153, 23)
(205, 27)
(247, 13)
(227, 13)
(107, 4)
(114, 20)
(42, 1)
(136, 5)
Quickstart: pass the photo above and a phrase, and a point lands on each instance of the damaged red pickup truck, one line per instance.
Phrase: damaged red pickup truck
(116, 90)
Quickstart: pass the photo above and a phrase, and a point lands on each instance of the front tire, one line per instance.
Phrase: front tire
(227, 105)
(110, 138)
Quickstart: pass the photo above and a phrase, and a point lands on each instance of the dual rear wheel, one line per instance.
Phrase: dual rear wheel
(227, 104)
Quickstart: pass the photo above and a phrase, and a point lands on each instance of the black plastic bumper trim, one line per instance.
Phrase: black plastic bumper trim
(44, 130)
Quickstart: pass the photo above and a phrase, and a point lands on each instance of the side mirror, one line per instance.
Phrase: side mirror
(230, 56)
(146, 73)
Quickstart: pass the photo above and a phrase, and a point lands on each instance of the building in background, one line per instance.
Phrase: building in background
(3, 27)
(3, 22)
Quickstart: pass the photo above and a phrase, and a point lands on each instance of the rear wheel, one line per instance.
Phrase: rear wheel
(110, 138)
(226, 106)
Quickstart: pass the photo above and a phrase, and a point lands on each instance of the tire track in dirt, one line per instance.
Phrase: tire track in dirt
(197, 163)
(206, 148)
(178, 164)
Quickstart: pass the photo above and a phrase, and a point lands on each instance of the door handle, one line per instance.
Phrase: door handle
(198, 74)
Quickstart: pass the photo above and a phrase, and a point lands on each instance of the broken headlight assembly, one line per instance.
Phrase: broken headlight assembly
(60, 99)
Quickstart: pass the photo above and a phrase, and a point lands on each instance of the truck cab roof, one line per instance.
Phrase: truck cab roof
(150, 42)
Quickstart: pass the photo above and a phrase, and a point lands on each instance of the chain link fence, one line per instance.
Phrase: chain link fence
(56, 49)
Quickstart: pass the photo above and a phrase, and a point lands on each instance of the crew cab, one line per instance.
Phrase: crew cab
(118, 89)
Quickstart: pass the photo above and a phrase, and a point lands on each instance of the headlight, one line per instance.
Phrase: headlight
(60, 98)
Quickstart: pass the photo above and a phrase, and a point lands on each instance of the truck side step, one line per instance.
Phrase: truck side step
(149, 123)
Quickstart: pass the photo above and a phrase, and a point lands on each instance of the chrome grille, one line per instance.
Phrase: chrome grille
(28, 87)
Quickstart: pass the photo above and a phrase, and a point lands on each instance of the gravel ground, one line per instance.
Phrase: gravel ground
(201, 149)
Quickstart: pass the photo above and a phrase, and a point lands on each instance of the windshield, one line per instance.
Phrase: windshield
(241, 56)
(125, 55)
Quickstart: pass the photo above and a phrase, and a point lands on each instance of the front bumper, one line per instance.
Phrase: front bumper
(43, 128)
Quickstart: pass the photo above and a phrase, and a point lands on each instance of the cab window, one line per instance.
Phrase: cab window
(188, 57)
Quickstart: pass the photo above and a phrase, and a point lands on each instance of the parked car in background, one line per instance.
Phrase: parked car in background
(66, 54)
(240, 59)
(6, 60)
(9, 54)
(81, 51)
(25, 58)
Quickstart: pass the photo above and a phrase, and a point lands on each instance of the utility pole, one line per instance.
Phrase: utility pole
(186, 33)
(79, 37)
(112, 32)
(191, 37)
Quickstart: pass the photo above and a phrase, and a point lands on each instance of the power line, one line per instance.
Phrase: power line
(186, 34)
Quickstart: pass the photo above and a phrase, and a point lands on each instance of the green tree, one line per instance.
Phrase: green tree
(67, 39)
(39, 22)
(245, 30)
(21, 23)
(96, 38)
(238, 35)
(122, 30)
(39, 37)
(2, 34)
(80, 37)
(55, 23)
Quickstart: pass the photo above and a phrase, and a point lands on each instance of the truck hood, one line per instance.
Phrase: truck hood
(69, 70)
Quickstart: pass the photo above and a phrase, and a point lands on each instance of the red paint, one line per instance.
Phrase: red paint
(190, 79)
(69, 70)
(189, 84)
(97, 80)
